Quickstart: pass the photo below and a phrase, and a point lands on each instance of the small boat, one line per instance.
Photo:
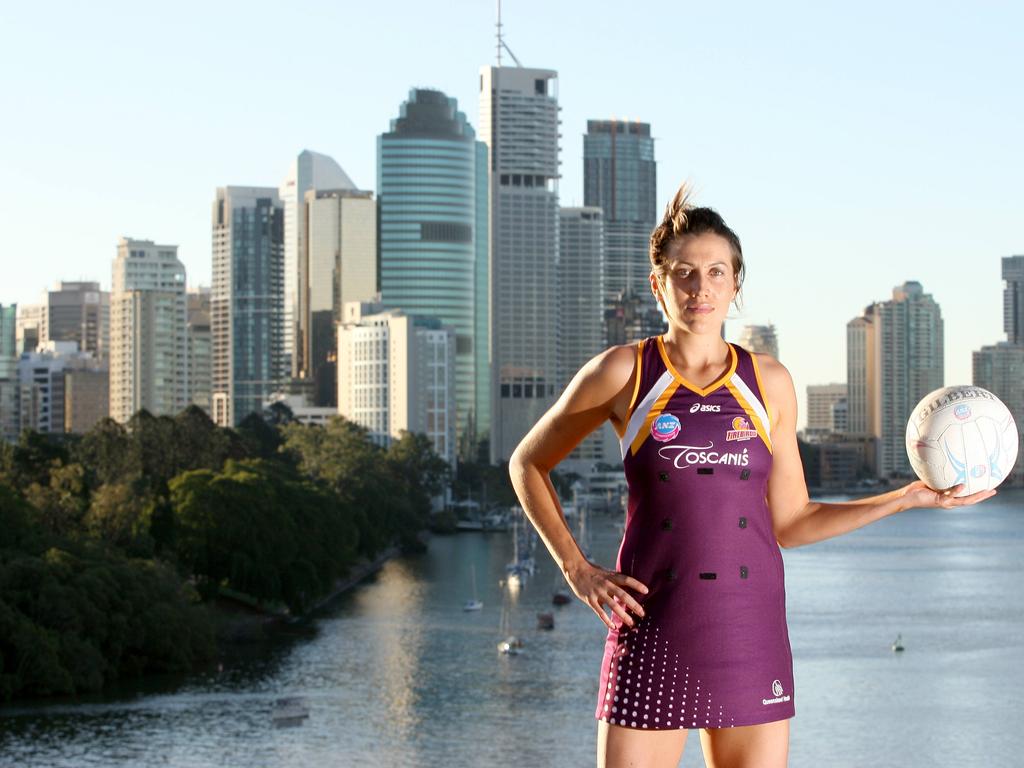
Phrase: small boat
(289, 711)
(897, 644)
(561, 597)
(510, 646)
(545, 621)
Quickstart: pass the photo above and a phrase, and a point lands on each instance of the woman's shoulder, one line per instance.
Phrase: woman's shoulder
(776, 380)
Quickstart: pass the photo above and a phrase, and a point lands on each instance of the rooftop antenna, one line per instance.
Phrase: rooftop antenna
(502, 43)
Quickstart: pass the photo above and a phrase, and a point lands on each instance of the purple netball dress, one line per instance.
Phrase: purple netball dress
(712, 650)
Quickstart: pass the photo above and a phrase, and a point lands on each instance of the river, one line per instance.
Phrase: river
(394, 673)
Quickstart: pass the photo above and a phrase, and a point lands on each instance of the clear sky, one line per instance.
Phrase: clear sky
(852, 146)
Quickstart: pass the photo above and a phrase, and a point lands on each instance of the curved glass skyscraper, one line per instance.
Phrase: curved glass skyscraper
(432, 197)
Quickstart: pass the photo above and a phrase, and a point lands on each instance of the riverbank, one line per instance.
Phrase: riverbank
(239, 621)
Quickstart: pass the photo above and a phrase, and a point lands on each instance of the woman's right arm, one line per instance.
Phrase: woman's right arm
(601, 390)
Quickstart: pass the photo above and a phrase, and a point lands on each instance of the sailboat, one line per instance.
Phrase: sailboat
(474, 604)
(897, 644)
(511, 644)
(521, 565)
(583, 537)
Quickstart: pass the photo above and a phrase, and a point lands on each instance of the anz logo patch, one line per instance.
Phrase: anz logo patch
(704, 408)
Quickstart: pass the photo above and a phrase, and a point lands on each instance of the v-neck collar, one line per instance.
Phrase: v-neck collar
(690, 385)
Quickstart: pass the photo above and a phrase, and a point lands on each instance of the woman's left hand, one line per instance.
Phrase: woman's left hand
(918, 494)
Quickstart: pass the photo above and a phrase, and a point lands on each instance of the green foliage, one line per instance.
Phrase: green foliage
(485, 483)
(105, 536)
(120, 515)
(33, 455)
(342, 457)
(258, 438)
(106, 451)
(256, 528)
(62, 501)
(73, 616)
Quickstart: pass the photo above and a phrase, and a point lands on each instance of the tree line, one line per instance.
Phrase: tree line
(115, 544)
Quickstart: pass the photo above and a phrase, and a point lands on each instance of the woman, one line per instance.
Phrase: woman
(697, 635)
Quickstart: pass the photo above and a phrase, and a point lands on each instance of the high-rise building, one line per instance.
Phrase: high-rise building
(27, 326)
(148, 343)
(246, 301)
(999, 368)
(42, 375)
(620, 176)
(199, 348)
(1013, 299)
(760, 338)
(339, 265)
(432, 188)
(519, 123)
(397, 372)
(862, 404)
(78, 312)
(8, 371)
(894, 358)
(8, 338)
(86, 397)
(310, 170)
(822, 403)
(581, 246)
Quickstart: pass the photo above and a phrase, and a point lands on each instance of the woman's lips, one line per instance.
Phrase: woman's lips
(701, 309)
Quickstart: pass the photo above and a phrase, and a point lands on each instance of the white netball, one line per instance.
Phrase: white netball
(962, 435)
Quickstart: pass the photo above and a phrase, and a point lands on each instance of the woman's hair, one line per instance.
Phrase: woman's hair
(682, 218)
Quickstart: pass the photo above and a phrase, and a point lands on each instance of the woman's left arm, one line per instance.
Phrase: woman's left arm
(795, 518)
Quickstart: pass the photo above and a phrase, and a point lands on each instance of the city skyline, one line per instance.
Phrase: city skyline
(914, 197)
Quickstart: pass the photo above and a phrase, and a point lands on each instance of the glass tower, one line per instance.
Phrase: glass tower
(246, 301)
(619, 175)
(432, 197)
(8, 371)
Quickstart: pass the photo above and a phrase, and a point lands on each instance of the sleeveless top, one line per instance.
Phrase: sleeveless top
(713, 648)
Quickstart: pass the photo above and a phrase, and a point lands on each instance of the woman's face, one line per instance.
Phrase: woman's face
(699, 282)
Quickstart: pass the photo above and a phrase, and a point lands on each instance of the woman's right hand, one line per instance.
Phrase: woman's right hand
(598, 587)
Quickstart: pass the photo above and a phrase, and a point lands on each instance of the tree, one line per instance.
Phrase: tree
(34, 455)
(257, 528)
(259, 439)
(61, 502)
(120, 515)
(342, 456)
(107, 453)
(200, 443)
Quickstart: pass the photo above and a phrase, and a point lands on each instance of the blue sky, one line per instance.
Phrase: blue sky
(851, 146)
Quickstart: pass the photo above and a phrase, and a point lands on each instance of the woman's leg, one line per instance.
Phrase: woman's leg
(749, 746)
(620, 747)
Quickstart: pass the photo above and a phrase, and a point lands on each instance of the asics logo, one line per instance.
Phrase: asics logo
(705, 408)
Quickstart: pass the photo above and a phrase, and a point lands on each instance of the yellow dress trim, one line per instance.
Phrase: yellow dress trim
(760, 387)
(691, 386)
(655, 412)
(754, 419)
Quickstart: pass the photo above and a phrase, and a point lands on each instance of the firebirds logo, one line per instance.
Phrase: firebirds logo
(740, 430)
